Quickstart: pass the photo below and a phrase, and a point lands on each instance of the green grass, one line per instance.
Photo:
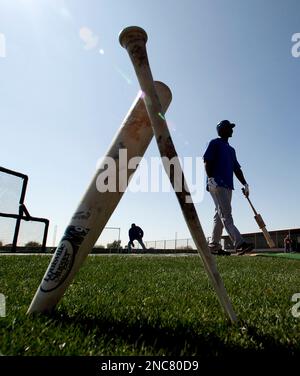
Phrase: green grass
(293, 256)
(122, 305)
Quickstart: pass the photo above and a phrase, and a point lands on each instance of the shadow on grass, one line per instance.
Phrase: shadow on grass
(211, 345)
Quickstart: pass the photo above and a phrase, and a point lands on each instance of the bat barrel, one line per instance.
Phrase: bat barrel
(261, 225)
(259, 221)
(268, 238)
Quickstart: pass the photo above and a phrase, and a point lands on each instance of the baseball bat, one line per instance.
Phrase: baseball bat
(134, 39)
(261, 223)
(95, 207)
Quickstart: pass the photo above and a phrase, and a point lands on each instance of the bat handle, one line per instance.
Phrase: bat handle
(244, 193)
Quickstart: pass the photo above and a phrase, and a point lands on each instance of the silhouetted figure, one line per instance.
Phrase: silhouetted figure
(135, 233)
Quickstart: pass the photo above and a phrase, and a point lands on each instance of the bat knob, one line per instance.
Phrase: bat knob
(132, 34)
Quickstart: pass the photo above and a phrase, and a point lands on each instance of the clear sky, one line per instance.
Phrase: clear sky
(66, 85)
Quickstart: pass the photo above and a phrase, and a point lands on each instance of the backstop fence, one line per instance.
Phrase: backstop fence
(18, 229)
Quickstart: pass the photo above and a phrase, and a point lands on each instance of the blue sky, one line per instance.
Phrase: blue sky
(61, 103)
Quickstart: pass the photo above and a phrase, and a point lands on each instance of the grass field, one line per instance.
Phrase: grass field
(153, 305)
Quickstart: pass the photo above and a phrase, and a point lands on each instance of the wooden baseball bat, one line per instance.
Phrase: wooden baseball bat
(96, 207)
(134, 39)
(261, 223)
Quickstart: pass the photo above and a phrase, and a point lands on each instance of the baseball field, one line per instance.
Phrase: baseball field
(155, 305)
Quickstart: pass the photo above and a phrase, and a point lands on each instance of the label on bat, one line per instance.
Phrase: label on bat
(63, 259)
(82, 215)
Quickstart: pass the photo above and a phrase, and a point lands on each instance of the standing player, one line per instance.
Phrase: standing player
(220, 165)
(287, 244)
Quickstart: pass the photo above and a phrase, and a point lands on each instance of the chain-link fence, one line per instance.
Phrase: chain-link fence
(184, 244)
(257, 239)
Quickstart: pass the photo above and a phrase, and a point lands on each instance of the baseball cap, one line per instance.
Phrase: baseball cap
(225, 123)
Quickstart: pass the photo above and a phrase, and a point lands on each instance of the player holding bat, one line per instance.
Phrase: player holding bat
(220, 165)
